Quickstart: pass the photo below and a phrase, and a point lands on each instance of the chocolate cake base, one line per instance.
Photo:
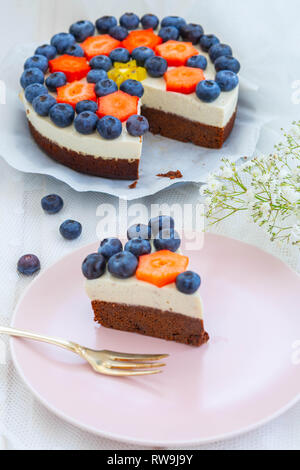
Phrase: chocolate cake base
(185, 130)
(118, 168)
(150, 322)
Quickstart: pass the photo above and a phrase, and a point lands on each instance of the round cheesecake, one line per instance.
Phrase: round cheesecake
(174, 103)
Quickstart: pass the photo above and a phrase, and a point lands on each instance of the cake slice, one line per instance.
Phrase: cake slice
(146, 288)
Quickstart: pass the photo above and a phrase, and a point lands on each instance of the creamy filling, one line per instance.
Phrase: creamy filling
(217, 113)
(124, 147)
(139, 293)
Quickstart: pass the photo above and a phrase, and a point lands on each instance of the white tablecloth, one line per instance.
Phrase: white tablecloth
(265, 36)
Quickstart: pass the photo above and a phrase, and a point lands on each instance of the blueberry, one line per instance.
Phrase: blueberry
(61, 41)
(227, 80)
(207, 41)
(139, 231)
(28, 264)
(93, 266)
(129, 21)
(70, 229)
(176, 21)
(109, 247)
(227, 62)
(46, 50)
(34, 90)
(132, 87)
(120, 54)
(101, 62)
(149, 21)
(218, 50)
(75, 50)
(156, 66)
(82, 30)
(191, 32)
(208, 91)
(52, 203)
(30, 76)
(85, 122)
(105, 87)
(122, 265)
(168, 33)
(104, 23)
(86, 105)
(167, 239)
(43, 103)
(141, 54)
(197, 61)
(56, 80)
(118, 32)
(39, 61)
(138, 247)
(109, 127)
(188, 282)
(62, 114)
(162, 222)
(95, 75)
(137, 125)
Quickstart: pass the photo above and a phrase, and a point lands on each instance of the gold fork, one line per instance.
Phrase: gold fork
(105, 361)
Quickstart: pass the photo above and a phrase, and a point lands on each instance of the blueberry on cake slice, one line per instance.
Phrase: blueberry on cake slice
(146, 286)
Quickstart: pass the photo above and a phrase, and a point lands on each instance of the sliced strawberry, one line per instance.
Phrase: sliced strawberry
(176, 52)
(74, 92)
(73, 67)
(161, 268)
(144, 37)
(99, 45)
(183, 79)
(118, 104)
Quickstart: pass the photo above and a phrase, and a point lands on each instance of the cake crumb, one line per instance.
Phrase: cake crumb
(132, 185)
(171, 174)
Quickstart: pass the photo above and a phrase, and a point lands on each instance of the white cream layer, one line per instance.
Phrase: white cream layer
(134, 292)
(124, 147)
(216, 114)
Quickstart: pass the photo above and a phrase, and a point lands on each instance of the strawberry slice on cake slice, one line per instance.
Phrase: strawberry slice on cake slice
(72, 93)
(176, 53)
(139, 38)
(99, 45)
(75, 68)
(118, 104)
(183, 79)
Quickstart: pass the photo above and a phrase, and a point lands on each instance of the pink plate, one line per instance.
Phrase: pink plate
(242, 378)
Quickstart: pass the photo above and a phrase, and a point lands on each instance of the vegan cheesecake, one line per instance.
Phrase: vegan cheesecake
(146, 287)
(93, 92)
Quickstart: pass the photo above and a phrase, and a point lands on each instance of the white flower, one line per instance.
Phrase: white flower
(295, 132)
(203, 189)
(247, 165)
(273, 185)
(265, 209)
(264, 178)
(208, 201)
(283, 173)
(291, 195)
(227, 172)
(250, 197)
(255, 172)
(213, 184)
(295, 233)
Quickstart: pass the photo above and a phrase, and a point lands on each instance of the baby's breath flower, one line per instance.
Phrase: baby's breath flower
(267, 187)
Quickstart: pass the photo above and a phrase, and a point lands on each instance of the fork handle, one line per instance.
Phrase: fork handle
(37, 337)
